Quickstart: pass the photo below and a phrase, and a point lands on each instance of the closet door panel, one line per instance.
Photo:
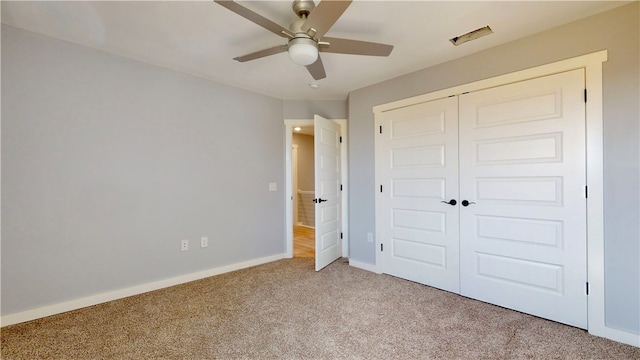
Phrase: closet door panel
(522, 168)
(417, 167)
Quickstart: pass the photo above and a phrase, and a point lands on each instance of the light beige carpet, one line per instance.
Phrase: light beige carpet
(285, 310)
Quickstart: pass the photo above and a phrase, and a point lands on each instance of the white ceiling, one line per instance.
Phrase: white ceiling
(202, 37)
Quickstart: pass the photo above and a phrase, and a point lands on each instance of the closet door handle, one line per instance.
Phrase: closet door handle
(319, 200)
(451, 202)
(467, 203)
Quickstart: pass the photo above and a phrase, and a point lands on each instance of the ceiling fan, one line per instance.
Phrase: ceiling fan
(306, 34)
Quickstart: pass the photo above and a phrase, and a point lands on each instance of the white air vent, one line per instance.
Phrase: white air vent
(472, 35)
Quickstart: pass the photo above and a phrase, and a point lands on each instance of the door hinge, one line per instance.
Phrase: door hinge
(381, 247)
(340, 139)
(587, 288)
(340, 235)
(586, 192)
(380, 188)
(585, 95)
(380, 129)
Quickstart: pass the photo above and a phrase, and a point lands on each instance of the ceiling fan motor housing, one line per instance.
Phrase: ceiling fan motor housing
(303, 8)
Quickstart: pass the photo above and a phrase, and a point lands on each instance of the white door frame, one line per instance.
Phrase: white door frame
(592, 65)
(294, 181)
(289, 124)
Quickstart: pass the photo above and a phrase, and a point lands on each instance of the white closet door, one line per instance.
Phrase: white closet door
(417, 167)
(522, 162)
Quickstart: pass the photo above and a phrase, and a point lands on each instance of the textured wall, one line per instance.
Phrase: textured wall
(306, 181)
(305, 161)
(305, 109)
(107, 163)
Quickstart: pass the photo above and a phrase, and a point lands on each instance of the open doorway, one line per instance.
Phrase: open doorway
(303, 191)
(292, 202)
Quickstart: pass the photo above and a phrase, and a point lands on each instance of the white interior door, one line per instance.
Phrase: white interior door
(417, 169)
(327, 191)
(523, 166)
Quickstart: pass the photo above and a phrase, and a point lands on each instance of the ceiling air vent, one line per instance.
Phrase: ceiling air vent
(472, 35)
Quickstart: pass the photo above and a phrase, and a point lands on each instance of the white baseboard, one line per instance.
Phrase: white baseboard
(75, 304)
(622, 336)
(10, 319)
(364, 266)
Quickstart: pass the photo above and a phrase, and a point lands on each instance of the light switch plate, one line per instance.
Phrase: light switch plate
(273, 186)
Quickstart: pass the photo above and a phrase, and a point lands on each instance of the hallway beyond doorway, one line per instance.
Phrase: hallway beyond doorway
(304, 244)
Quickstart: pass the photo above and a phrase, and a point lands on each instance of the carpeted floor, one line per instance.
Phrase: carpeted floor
(284, 310)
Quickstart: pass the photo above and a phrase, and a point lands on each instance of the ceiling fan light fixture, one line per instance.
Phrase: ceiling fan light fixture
(303, 51)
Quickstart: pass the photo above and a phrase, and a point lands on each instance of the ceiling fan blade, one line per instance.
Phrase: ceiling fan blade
(324, 16)
(256, 18)
(317, 69)
(354, 47)
(262, 53)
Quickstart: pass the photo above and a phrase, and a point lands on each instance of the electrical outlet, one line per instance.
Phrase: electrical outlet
(204, 242)
(184, 245)
(370, 237)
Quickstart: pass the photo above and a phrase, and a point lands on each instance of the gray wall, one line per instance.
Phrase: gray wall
(306, 178)
(305, 161)
(618, 32)
(305, 109)
(107, 163)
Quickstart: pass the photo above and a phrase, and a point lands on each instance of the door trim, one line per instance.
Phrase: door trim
(592, 65)
(294, 182)
(289, 124)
